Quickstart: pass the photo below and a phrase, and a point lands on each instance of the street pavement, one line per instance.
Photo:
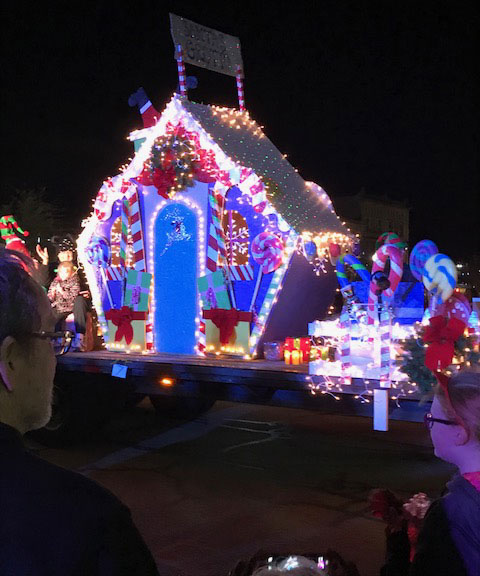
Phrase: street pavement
(241, 477)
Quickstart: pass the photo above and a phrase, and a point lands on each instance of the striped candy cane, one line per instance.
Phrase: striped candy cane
(124, 235)
(345, 350)
(139, 260)
(241, 95)
(384, 253)
(216, 240)
(137, 233)
(113, 273)
(181, 72)
(242, 272)
(385, 339)
(202, 338)
(259, 196)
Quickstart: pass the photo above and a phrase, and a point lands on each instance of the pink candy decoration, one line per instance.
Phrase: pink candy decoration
(457, 306)
(384, 253)
(267, 251)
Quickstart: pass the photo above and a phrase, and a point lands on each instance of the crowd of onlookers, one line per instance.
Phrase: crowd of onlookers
(58, 523)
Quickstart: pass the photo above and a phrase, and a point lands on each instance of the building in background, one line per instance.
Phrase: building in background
(469, 275)
(370, 216)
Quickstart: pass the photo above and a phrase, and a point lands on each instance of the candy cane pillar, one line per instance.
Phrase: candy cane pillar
(381, 396)
(241, 94)
(345, 353)
(182, 79)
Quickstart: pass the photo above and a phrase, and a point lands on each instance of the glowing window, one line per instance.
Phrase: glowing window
(115, 235)
(236, 238)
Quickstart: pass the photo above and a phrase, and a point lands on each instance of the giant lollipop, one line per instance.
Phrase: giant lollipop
(98, 255)
(98, 251)
(421, 252)
(440, 278)
(267, 251)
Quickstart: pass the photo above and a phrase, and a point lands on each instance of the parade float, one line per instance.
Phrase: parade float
(209, 242)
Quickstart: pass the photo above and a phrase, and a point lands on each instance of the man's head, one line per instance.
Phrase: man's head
(27, 363)
(66, 250)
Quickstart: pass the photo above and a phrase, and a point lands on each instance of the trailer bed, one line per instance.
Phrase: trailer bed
(233, 379)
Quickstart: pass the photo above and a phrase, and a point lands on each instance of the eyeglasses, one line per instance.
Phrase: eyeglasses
(60, 341)
(430, 420)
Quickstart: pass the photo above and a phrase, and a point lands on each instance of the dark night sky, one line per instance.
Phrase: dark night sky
(379, 95)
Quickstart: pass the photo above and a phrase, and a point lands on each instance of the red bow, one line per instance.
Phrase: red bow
(440, 336)
(163, 180)
(226, 320)
(122, 318)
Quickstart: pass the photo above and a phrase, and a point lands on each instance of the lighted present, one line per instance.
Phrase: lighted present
(126, 329)
(213, 291)
(227, 331)
(297, 350)
(137, 290)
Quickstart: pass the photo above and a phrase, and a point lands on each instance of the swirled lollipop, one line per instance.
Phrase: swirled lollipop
(98, 251)
(421, 252)
(267, 251)
(98, 255)
(440, 276)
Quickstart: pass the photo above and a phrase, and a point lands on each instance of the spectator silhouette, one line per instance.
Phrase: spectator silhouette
(52, 521)
(449, 541)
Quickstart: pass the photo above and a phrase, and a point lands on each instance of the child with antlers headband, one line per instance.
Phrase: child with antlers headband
(449, 541)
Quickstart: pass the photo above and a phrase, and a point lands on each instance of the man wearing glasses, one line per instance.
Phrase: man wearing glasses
(52, 521)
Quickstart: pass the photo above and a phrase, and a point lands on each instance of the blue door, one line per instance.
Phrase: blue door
(175, 279)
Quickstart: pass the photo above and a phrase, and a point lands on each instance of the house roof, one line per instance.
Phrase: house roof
(304, 207)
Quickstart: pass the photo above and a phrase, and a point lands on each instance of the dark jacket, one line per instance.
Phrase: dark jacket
(54, 522)
(449, 542)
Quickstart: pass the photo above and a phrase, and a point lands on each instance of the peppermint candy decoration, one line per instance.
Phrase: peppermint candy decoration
(457, 306)
(98, 251)
(421, 252)
(267, 251)
(259, 197)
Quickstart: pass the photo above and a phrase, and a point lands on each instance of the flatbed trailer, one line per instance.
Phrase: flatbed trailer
(184, 386)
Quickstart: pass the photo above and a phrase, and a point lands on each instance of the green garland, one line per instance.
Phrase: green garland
(412, 361)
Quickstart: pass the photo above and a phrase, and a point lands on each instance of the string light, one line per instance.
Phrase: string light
(218, 130)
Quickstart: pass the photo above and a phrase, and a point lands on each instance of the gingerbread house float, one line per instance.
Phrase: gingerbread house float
(208, 240)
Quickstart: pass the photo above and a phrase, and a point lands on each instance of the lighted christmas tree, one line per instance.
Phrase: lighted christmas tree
(412, 360)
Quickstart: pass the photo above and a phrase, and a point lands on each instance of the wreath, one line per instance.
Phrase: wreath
(176, 160)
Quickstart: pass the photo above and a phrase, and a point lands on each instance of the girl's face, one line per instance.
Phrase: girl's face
(65, 273)
(444, 436)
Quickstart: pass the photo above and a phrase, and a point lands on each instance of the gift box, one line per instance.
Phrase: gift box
(227, 331)
(126, 329)
(115, 288)
(297, 350)
(137, 290)
(213, 291)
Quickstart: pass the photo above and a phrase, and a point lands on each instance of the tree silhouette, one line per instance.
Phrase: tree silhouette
(35, 214)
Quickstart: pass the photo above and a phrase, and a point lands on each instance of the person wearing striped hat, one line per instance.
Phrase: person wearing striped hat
(9, 230)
